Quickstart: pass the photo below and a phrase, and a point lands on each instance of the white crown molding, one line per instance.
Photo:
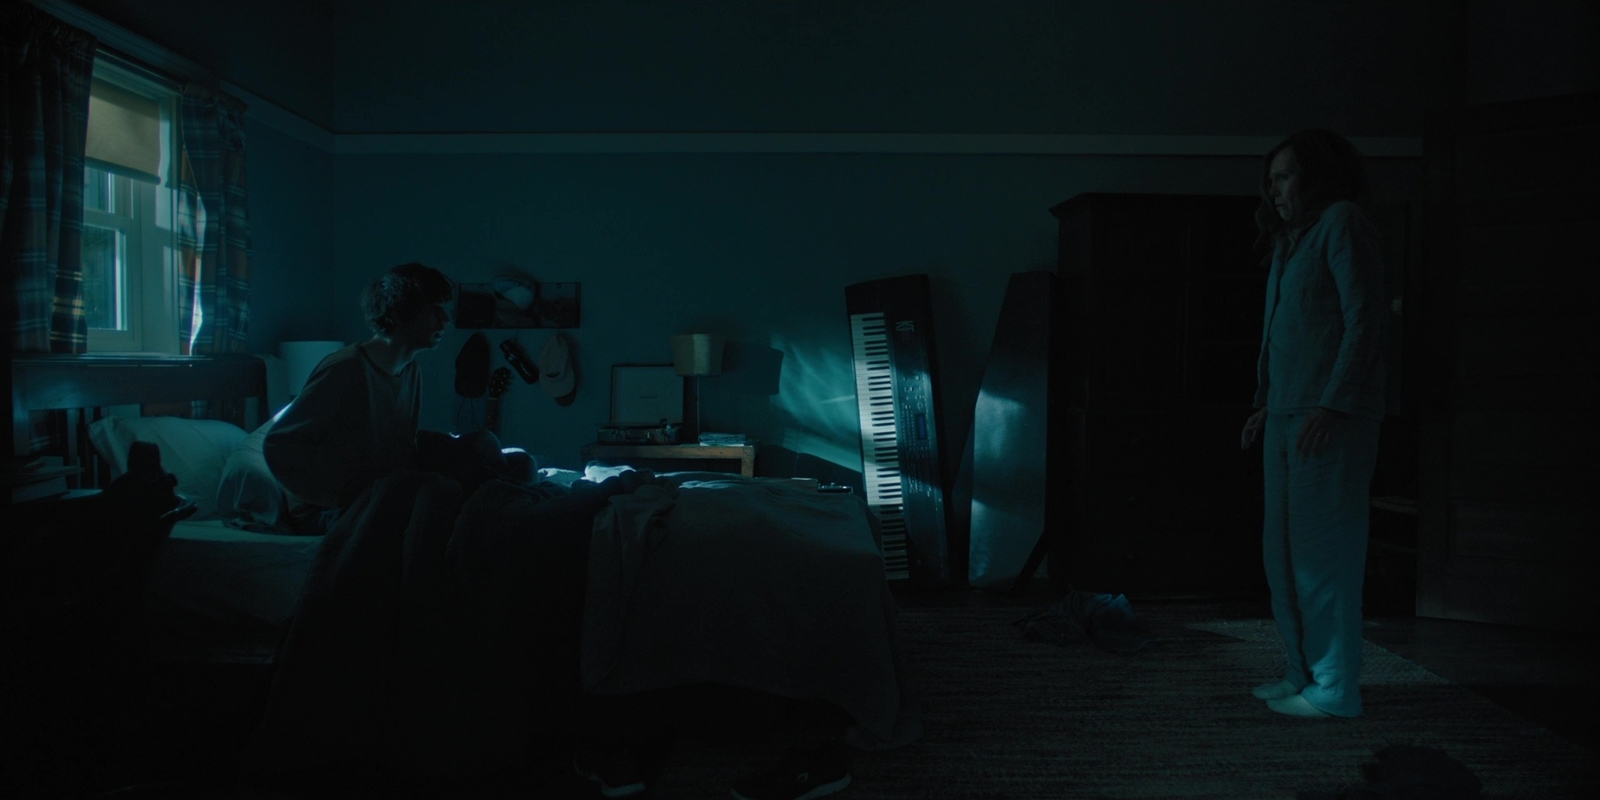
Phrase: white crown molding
(182, 69)
(129, 43)
(160, 58)
(284, 120)
(885, 143)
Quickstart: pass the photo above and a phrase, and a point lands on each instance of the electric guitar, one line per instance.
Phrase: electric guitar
(499, 381)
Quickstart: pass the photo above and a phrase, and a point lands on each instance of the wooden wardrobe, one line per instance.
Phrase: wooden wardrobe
(1163, 296)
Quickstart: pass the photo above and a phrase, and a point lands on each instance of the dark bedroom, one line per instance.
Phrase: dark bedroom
(786, 399)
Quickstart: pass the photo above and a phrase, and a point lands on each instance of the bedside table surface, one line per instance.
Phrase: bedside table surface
(745, 454)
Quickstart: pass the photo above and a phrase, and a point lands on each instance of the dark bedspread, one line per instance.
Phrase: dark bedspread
(428, 625)
(704, 578)
(441, 632)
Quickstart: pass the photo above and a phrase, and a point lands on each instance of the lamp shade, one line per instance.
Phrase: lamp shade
(697, 353)
(300, 358)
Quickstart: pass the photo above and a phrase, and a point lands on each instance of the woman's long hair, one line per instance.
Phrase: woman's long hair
(1331, 169)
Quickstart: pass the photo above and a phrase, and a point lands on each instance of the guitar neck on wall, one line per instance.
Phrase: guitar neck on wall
(499, 381)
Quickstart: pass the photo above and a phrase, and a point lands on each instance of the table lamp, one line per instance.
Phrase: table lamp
(695, 355)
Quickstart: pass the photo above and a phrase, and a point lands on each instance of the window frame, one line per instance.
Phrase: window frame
(150, 285)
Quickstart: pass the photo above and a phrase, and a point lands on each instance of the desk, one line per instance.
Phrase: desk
(636, 454)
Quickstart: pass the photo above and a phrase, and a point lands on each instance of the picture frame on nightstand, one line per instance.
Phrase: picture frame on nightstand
(646, 394)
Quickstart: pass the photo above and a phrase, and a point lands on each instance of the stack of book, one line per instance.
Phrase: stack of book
(723, 439)
(35, 478)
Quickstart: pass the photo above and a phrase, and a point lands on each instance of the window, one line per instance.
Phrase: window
(129, 213)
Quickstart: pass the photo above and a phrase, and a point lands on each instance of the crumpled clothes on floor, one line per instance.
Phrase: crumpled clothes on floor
(1108, 620)
(1410, 772)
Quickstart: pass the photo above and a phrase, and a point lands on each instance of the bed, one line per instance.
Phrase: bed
(451, 597)
(216, 593)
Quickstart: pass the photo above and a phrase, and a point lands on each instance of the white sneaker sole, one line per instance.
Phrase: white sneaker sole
(626, 790)
(1274, 691)
(820, 790)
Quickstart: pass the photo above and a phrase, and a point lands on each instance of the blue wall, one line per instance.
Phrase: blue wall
(291, 229)
(757, 247)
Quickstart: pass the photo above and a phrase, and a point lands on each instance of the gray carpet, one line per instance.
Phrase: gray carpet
(1008, 718)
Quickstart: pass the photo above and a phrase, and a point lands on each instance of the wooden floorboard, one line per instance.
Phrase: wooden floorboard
(207, 712)
(1540, 675)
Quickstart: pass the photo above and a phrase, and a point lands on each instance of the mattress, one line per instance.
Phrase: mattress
(219, 593)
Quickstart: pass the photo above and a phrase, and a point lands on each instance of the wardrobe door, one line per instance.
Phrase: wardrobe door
(1510, 364)
(1165, 297)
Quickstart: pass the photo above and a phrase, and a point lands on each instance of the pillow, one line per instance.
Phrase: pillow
(248, 496)
(192, 449)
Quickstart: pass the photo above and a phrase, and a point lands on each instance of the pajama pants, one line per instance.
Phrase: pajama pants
(1314, 547)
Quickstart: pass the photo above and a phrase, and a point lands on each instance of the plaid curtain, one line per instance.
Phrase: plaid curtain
(213, 226)
(47, 68)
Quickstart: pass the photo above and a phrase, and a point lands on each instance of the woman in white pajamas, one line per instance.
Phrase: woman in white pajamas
(1319, 401)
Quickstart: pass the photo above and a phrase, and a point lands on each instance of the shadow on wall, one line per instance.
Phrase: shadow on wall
(738, 399)
(750, 368)
(756, 370)
(774, 461)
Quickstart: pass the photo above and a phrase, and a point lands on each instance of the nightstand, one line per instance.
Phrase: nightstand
(75, 571)
(673, 457)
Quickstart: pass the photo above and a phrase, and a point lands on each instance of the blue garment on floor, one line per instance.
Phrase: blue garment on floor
(1105, 618)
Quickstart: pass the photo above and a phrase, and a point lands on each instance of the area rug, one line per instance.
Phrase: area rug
(1006, 717)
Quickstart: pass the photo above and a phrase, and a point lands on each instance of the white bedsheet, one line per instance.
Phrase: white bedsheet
(208, 572)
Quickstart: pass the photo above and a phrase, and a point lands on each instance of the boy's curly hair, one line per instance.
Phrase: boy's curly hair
(400, 294)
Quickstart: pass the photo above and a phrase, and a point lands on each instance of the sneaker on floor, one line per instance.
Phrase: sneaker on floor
(617, 772)
(1297, 706)
(1274, 691)
(802, 775)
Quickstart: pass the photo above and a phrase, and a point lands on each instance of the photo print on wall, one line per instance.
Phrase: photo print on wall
(511, 303)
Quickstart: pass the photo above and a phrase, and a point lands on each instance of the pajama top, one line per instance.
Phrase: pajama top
(1323, 340)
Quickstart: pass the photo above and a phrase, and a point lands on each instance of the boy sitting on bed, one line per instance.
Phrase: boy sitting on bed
(356, 419)
(356, 422)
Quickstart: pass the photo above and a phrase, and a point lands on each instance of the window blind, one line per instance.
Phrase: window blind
(124, 132)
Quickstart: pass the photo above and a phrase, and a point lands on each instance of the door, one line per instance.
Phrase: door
(1509, 412)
